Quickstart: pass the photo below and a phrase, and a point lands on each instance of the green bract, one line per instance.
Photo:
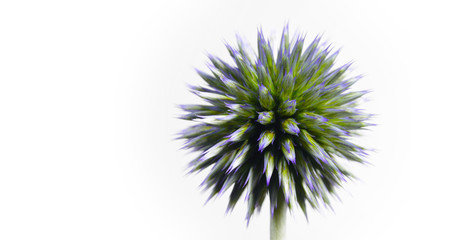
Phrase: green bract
(275, 124)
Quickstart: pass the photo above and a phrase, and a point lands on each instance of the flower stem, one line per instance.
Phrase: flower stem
(278, 219)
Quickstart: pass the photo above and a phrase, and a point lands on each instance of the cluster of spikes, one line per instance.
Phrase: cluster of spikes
(275, 124)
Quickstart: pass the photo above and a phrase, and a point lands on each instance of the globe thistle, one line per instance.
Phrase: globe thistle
(275, 125)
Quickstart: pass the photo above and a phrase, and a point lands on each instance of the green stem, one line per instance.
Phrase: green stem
(278, 219)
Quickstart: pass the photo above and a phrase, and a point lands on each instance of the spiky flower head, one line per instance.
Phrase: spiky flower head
(275, 124)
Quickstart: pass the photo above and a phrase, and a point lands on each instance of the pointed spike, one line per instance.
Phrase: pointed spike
(239, 133)
(266, 100)
(269, 166)
(265, 139)
(291, 126)
(288, 150)
(265, 118)
(288, 108)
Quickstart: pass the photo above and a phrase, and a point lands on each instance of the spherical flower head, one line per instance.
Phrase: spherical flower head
(275, 123)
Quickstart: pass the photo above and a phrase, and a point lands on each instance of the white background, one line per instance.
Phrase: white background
(87, 117)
